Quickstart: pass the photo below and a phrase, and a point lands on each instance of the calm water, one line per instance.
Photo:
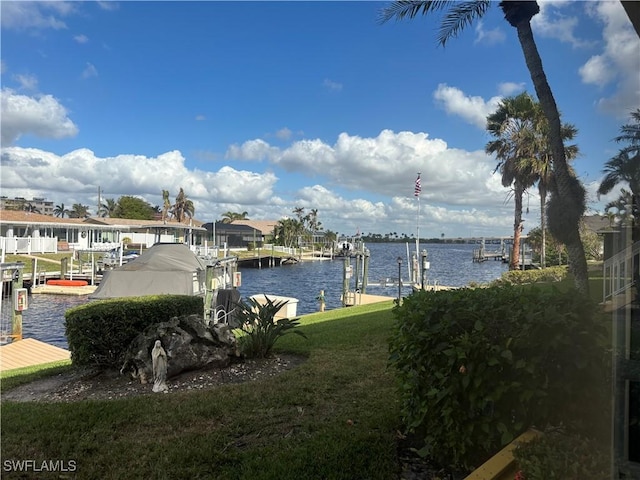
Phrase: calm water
(449, 265)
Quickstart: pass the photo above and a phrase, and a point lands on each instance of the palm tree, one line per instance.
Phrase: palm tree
(108, 208)
(542, 163)
(287, 231)
(166, 204)
(568, 198)
(621, 209)
(631, 133)
(230, 217)
(625, 168)
(60, 211)
(183, 207)
(512, 124)
(31, 208)
(79, 211)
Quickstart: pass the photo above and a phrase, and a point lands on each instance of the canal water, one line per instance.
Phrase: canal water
(450, 265)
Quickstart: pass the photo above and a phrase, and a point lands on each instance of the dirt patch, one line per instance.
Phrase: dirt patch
(77, 385)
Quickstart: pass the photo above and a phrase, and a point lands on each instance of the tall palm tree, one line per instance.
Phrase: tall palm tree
(568, 197)
(512, 126)
(183, 207)
(166, 204)
(625, 168)
(60, 211)
(108, 208)
(542, 164)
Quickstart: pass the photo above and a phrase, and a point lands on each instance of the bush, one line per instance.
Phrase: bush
(558, 455)
(99, 332)
(259, 330)
(476, 367)
(522, 277)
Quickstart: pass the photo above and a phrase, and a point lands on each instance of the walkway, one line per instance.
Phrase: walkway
(29, 352)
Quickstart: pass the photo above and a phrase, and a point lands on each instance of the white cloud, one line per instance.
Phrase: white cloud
(80, 172)
(363, 182)
(489, 37)
(598, 70)
(81, 38)
(255, 150)
(284, 134)
(35, 15)
(472, 109)
(109, 5)
(510, 88)
(89, 71)
(551, 22)
(27, 82)
(331, 85)
(619, 61)
(42, 116)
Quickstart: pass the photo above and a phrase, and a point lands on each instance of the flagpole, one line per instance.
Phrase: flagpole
(418, 191)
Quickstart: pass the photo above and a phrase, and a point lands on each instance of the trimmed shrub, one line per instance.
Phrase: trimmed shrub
(476, 367)
(99, 332)
(521, 277)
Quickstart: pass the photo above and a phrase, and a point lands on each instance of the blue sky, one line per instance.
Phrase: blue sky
(267, 106)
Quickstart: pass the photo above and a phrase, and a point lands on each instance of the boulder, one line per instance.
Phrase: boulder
(189, 342)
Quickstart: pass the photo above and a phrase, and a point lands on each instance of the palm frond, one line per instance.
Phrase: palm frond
(461, 15)
(410, 9)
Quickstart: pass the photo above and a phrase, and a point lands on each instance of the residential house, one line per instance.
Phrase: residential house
(27, 232)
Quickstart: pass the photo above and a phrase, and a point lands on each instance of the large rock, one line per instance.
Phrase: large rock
(190, 345)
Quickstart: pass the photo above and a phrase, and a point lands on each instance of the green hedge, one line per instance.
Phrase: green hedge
(521, 277)
(476, 367)
(99, 332)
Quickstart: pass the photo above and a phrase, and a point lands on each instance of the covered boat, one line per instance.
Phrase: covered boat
(165, 268)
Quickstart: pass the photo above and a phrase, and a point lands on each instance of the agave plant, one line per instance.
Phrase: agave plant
(259, 330)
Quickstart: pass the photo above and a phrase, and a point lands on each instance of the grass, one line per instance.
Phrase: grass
(333, 417)
(19, 376)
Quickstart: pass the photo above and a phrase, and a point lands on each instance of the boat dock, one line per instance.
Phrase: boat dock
(29, 352)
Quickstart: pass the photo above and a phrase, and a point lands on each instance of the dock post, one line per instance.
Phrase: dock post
(321, 301)
(19, 297)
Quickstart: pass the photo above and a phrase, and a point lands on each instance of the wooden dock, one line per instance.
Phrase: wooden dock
(482, 255)
(29, 352)
(63, 290)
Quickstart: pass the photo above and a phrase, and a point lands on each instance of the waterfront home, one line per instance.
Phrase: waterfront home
(26, 232)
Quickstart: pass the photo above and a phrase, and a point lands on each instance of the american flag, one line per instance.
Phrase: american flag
(418, 188)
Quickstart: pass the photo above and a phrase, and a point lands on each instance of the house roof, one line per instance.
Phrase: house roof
(265, 226)
(222, 228)
(195, 224)
(20, 217)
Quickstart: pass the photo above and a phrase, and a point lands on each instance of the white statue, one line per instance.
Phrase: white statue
(159, 359)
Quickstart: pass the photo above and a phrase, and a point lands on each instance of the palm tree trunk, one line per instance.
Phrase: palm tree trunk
(567, 187)
(517, 227)
(543, 224)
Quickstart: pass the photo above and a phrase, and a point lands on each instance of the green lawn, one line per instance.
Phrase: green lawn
(333, 417)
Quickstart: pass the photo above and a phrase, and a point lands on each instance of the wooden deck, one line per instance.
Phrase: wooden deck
(63, 290)
(29, 352)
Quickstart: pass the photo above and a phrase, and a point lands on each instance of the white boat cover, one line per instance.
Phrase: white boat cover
(165, 268)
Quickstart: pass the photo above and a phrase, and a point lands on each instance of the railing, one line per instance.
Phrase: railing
(28, 245)
(619, 272)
